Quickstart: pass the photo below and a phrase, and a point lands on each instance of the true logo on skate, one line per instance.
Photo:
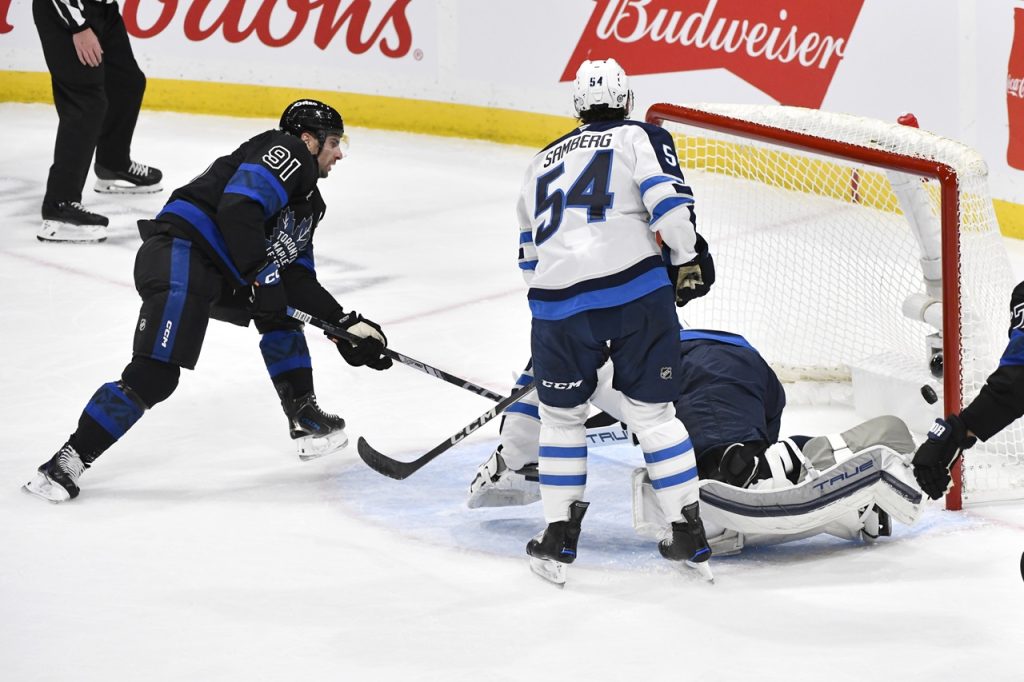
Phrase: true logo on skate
(789, 49)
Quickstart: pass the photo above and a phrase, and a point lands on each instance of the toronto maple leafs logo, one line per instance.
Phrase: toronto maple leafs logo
(299, 233)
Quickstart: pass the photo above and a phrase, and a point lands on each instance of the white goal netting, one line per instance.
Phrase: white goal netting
(829, 262)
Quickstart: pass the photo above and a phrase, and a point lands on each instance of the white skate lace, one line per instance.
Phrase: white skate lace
(138, 169)
(317, 407)
(70, 463)
(83, 209)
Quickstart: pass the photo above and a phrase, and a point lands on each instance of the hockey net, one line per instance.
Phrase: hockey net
(848, 247)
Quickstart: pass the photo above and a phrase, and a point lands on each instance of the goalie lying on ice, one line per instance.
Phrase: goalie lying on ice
(850, 485)
(753, 492)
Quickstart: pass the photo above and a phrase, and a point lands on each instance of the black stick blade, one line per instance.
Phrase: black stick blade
(383, 464)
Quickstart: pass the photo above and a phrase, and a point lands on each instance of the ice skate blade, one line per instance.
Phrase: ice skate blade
(125, 187)
(309, 447)
(68, 233)
(45, 489)
(702, 569)
(549, 569)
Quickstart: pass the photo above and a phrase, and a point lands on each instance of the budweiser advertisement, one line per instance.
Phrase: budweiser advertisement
(788, 49)
(1015, 94)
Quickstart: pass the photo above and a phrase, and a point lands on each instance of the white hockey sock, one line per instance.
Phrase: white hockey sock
(562, 461)
(671, 466)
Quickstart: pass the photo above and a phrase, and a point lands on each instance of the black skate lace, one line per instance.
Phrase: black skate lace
(138, 168)
(69, 462)
(81, 208)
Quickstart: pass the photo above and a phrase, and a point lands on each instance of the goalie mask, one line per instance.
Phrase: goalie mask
(602, 83)
(314, 117)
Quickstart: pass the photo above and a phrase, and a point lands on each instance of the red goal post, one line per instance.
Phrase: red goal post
(721, 141)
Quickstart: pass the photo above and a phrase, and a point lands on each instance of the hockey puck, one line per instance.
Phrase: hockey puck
(929, 395)
(1022, 565)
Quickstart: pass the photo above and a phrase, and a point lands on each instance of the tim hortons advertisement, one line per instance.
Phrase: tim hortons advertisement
(788, 49)
(360, 25)
(277, 23)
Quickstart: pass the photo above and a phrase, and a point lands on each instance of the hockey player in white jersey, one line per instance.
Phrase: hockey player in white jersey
(591, 205)
(755, 488)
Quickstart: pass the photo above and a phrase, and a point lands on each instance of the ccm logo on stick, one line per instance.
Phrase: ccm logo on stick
(561, 385)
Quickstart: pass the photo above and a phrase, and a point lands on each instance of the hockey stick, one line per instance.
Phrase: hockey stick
(392, 468)
(404, 359)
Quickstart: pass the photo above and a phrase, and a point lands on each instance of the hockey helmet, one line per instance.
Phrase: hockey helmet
(312, 116)
(601, 83)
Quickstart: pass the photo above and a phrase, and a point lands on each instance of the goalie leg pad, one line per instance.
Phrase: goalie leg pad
(667, 452)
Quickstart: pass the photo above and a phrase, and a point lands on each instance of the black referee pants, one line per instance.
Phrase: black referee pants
(97, 106)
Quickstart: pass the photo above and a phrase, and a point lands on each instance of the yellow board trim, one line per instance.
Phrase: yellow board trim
(394, 113)
(363, 111)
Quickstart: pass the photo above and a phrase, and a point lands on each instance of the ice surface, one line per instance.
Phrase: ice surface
(201, 548)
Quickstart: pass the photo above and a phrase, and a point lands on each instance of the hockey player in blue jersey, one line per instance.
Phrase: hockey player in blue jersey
(234, 244)
(590, 207)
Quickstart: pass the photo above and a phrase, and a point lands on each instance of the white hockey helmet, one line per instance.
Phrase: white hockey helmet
(601, 82)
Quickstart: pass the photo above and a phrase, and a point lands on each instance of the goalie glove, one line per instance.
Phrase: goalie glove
(947, 439)
(693, 278)
(369, 350)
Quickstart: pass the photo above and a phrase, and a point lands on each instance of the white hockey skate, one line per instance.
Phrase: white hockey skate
(495, 485)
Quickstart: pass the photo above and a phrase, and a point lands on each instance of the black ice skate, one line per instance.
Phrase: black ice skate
(57, 479)
(553, 549)
(689, 543)
(69, 221)
(136, 179)
(315, 432)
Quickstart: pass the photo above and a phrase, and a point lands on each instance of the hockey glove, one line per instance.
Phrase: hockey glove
(693, 278)
(268, 296)
(370, 350)
(947, 440)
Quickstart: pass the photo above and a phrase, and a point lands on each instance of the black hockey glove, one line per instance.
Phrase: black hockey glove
(370, 350)
(947, 439)
(693, 278)
(268, 295)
